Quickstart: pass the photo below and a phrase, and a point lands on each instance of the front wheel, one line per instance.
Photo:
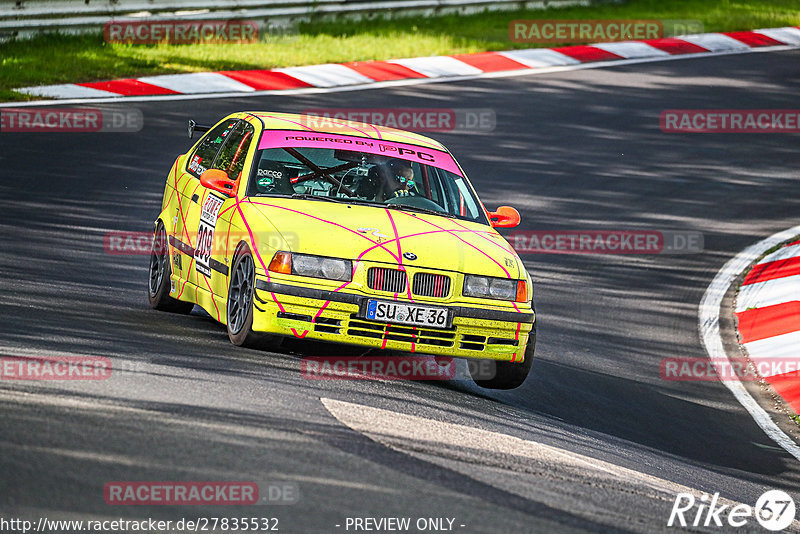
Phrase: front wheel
(505, 374)
(240, 305)
(159, 285)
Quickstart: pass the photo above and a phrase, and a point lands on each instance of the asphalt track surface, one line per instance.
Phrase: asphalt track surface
(572, 150)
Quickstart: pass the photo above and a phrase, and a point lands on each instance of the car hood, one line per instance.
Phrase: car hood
(369, 233)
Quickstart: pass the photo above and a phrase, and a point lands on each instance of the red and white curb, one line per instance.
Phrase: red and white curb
(767, 307)
(424, 68)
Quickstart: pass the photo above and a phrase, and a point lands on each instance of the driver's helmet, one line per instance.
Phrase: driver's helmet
(402, 173)
(387, 179)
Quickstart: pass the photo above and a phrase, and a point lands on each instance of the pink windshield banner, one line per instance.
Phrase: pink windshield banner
(426, 156)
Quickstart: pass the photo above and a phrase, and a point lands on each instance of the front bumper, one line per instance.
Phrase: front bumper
(326, 315)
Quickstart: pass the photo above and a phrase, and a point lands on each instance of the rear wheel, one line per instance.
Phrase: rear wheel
(241, 293)
(504, 374)
(160, 272)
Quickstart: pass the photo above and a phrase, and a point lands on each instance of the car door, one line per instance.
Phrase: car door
(191, 194)
(212, 215)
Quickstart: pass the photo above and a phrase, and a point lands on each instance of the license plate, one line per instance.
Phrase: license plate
(401, 313)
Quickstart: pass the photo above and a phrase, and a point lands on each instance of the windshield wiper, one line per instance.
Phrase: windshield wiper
(418, 209)
(402, 207)
(307, 196)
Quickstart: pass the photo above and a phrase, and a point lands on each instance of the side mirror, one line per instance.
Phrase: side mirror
(504, 217)
(217, 180)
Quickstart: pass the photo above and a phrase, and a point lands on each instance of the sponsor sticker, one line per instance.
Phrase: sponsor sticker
(427, 156)
(205, 233)
(195, 165)
(267, 176)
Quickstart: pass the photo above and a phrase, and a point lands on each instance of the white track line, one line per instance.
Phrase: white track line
(395, 430)
(712, 340)
(395, 83)
(404, 433)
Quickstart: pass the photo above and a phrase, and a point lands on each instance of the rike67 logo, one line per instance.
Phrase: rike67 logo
(774, 510)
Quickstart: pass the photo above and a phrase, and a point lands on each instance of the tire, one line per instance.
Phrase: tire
(159, 280)
(239, 312)
(506, 375)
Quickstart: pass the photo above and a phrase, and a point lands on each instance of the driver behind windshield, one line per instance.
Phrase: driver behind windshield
(394, 178)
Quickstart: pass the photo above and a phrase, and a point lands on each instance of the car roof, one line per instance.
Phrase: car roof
(317, 124)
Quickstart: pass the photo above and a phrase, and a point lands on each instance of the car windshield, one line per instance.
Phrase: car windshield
(363, 178)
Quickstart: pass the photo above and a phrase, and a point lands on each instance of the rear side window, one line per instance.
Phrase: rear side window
(231, 158)
(203, 158)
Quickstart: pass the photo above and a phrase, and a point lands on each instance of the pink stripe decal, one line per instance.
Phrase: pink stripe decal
(382, 245)
(424, 155)
(400, 255)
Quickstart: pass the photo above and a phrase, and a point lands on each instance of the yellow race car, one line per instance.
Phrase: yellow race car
(281, 225)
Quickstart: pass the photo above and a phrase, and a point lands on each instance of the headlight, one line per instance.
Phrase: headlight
(313, 266)
(495, 288)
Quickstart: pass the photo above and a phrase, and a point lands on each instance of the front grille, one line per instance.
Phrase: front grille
(475, 342)
(321, 324)
(409, 334)
(382, 279)
(431, 285)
